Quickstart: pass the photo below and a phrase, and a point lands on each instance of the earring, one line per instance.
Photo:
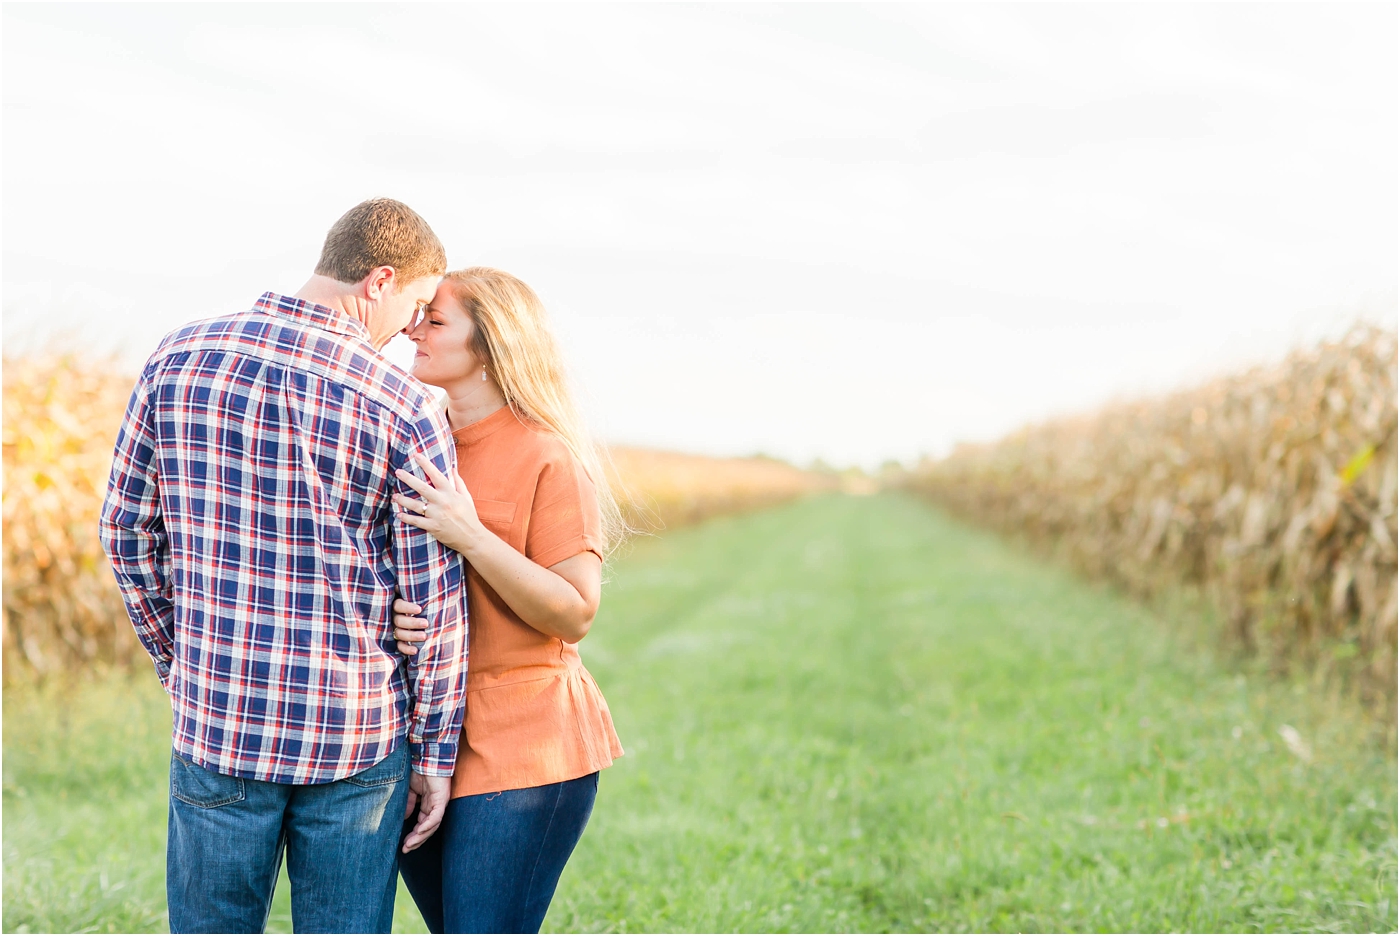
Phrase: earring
(483, 372)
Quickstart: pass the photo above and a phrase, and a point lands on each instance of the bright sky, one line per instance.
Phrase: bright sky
(855, 232)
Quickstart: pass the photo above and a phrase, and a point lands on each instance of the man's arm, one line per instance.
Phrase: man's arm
(426, 568)
(133, 531)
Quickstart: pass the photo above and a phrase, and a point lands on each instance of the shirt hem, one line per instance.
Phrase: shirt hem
(558, 554)
(246, 773)
(473, 790)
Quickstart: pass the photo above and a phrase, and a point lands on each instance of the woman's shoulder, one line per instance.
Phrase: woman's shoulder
(545, 449)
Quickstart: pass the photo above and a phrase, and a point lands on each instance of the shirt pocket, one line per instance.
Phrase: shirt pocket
(497, 514)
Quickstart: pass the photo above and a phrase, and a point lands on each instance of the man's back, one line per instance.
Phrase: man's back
(250, 525)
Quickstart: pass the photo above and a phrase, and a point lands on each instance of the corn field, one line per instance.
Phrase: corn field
(1273, 490)
(61, 604)
(62, 609)
(660, 490)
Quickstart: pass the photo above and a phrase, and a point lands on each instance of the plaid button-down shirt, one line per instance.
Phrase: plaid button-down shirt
(248, 520)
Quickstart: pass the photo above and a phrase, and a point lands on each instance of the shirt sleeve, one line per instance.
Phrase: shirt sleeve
(564, 518)
(430, 575)
(132, 529)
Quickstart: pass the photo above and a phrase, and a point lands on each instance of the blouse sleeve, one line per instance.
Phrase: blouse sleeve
(564, 518)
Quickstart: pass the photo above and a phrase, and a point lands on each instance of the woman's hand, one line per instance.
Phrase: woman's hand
(560, 600)
(408, 629)
(443, 508)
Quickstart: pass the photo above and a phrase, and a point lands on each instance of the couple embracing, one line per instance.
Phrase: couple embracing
(300, 532)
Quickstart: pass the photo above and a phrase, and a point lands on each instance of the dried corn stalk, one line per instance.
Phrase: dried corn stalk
(61, 605)
(1274, 489)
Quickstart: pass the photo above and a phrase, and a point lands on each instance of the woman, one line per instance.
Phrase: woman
(532, 515)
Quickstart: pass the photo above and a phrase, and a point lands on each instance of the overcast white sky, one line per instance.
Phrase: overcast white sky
(855, 232)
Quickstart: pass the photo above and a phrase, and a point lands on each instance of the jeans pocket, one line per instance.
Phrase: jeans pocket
(391, 769)
(199, 786)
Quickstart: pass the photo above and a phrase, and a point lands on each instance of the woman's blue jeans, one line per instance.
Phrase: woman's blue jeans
(494, 863)
(228, 834)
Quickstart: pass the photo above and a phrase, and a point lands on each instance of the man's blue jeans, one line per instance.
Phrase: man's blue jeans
(494, 863)
(227, 836)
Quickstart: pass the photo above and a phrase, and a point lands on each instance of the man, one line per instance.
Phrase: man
(250, 525)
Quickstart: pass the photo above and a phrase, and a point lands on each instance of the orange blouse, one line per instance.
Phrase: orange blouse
(534, 714)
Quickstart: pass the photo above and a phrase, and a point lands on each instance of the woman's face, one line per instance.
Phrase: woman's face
(443, 338)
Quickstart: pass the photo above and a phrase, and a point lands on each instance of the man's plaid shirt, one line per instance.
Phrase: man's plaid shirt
(249, 522)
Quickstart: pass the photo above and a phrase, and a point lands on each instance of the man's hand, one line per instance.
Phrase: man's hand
(430, 795)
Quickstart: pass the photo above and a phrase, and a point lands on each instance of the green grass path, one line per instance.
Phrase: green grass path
(844, 714)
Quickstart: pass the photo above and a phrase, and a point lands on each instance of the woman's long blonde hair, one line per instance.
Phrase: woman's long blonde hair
(513, 337)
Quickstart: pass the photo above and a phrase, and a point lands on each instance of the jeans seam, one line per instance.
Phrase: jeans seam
(371, 784)
(277, 873)
(549, 826)
(217, 803)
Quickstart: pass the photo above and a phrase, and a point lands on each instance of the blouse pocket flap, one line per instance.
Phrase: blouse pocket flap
(495, 511)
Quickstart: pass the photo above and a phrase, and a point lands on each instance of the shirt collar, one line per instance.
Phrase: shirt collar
(486, 426)
(310, 313)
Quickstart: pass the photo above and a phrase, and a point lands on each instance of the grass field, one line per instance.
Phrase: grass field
(845, 714)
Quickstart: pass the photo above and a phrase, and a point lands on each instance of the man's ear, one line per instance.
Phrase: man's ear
(380, 282)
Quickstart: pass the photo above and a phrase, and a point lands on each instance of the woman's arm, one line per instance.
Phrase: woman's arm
(560, 601)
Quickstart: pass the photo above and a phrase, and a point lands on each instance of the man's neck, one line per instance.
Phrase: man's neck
(344, 298)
